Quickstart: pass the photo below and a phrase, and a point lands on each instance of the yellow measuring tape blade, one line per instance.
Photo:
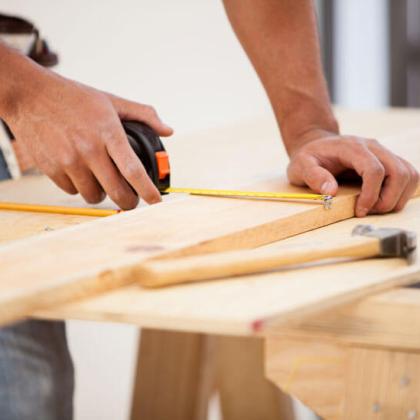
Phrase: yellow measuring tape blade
(325, 199)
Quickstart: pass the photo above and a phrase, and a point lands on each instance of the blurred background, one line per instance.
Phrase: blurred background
(371, 51)
(182, 57)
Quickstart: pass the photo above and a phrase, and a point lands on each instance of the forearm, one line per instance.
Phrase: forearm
(281, 40)
(73, 132)
(20, 78)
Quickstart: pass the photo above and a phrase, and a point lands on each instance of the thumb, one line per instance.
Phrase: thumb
(308, 172)
(320, 180)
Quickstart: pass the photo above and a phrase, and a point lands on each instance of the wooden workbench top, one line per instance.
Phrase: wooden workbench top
(246, 305)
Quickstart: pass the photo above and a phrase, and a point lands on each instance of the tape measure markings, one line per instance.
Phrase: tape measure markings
(325, 199)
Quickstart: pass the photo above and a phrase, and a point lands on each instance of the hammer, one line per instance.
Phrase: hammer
(366, 242)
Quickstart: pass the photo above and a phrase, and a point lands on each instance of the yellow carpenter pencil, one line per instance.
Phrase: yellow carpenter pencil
(75, 211)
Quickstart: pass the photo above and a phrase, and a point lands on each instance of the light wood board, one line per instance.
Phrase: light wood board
(237, 306)
(37, 189)
(93, 257)
(259, 303)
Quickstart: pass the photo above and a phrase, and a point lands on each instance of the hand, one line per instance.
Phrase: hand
(74, 135)
(388, 180)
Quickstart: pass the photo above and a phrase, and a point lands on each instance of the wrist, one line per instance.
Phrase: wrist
(309, 135)
(304, 119)
(299, 131)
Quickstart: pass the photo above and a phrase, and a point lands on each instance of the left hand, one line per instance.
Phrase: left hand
(388, 181)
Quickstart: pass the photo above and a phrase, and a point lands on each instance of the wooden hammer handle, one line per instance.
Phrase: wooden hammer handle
(167, 272)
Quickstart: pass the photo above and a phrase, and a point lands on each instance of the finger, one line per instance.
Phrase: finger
(62, 181)
(128, 110)
(131, 168)
(84, 181)
(395, 184)
(372, 172)
(112, 181)
(316, 177)
(398, 177)
(411, 188)
(55, 174)
(414, 177)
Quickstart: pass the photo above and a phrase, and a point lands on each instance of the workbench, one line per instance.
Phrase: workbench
(322, 333)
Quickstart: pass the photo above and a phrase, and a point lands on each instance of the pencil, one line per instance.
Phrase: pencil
(75, 211)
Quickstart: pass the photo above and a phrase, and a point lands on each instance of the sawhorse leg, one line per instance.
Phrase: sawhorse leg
(178, 372)
(173, 378)
(245, 392)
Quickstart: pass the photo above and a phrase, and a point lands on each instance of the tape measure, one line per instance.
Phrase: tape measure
(150, 150)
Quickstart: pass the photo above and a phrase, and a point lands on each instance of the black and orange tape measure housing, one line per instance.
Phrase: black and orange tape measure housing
(150, 150)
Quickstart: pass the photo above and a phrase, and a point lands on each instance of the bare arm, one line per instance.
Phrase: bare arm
(281, 40)
(73, 132)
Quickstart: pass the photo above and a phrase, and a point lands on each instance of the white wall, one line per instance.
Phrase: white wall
(179, 55)
(361, 53)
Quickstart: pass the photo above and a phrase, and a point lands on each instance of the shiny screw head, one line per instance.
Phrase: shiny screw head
(327, 199)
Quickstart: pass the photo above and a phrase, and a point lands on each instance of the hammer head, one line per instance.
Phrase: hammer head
(394, 242)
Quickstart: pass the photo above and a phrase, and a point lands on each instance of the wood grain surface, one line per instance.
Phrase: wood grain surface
(90, 258)
(81, 261)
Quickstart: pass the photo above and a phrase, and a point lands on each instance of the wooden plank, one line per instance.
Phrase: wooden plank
(260, 303)
(16, 225)
(88, 259)
(37, 189)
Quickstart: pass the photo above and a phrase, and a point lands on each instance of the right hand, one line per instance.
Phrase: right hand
(74, 135)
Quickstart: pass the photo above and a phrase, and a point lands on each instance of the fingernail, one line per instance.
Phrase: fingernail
(362, 212)
(327, 188)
